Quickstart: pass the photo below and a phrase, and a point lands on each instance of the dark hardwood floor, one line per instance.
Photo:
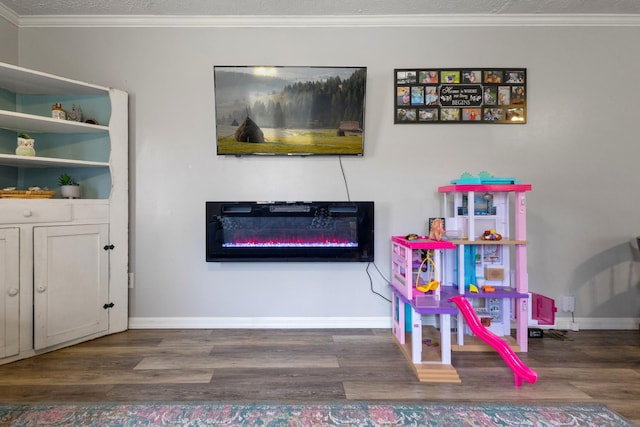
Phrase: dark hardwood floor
(320, 365)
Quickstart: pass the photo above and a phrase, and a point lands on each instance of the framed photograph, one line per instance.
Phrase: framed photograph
(471, 76)
(492, 76)
(450, 114)
(417, 95)
(450, 76)
(427, 114)
(504, 95)
(492, 114)
(515, 114)
(403, 96)
(431, 95)
(515, 77)
(471, 114)
(405, 115)
(404, 77)
(517, 94)
(492, 254)
(461, 96)
(428, 77)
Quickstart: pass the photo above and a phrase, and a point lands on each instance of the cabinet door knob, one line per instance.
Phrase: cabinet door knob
(13, 292)
(41, 288)
(27, 213)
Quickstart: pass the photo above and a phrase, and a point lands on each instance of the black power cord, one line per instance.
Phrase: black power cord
(371, 281)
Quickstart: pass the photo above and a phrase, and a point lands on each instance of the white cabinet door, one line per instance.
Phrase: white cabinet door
(71, 283)
(9, 292)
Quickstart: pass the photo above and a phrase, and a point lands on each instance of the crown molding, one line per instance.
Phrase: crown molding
(9, 14)
(306, 21)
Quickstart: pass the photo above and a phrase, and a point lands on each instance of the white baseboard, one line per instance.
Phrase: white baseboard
(259, 322)
(594, 323)
(584, 323)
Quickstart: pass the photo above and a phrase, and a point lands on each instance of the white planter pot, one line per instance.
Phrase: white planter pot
(70, 191)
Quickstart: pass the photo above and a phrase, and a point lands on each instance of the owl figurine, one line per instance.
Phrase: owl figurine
(75, 114)
(25, 147)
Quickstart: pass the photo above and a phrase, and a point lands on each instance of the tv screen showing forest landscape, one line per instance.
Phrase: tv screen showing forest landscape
(289, 110)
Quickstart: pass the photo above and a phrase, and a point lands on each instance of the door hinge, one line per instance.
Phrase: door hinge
(107, 306)
(108, 247)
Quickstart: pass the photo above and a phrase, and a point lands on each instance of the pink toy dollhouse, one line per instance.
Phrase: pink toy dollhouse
(483, 263)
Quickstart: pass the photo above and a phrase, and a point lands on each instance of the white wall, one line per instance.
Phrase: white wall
(579, 150)
(9, 44)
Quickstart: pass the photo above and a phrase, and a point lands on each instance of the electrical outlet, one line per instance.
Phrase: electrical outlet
(568, 303)
(130, 280)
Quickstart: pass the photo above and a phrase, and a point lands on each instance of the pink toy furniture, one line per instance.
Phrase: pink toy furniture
(480, 207)
(409, 306)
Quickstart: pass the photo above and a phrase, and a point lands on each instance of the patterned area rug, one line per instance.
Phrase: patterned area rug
(315, 414)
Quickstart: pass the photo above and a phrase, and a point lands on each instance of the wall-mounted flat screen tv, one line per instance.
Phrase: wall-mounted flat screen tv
(289, 110)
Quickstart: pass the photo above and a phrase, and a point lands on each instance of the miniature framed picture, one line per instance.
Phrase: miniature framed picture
(492, 254)
(461, 96)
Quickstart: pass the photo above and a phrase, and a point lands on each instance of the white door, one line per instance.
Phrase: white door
(71, 283)
(9, 292)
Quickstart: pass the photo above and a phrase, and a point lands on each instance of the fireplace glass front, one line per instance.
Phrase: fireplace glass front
(289, 231)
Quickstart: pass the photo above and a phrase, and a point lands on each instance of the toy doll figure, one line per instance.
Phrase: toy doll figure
(437, 230)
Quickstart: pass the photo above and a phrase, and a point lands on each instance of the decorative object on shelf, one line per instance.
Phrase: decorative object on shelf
(57, 112)
(75, 114)
(92, 121)
(25, 145)
(491, 235)
(69, 189)
(33, 192)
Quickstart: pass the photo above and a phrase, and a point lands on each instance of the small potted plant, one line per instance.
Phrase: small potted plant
(69, 189)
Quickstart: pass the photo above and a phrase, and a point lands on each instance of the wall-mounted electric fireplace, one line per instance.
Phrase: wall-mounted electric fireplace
(289, 231)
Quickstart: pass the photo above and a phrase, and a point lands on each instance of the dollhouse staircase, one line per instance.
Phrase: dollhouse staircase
(428, 373)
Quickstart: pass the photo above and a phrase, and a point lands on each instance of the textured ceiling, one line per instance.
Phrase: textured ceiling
(25, 8)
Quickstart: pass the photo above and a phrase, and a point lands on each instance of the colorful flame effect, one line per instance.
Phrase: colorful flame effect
(318, 240)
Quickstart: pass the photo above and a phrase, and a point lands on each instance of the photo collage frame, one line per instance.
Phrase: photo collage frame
(460, 95)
